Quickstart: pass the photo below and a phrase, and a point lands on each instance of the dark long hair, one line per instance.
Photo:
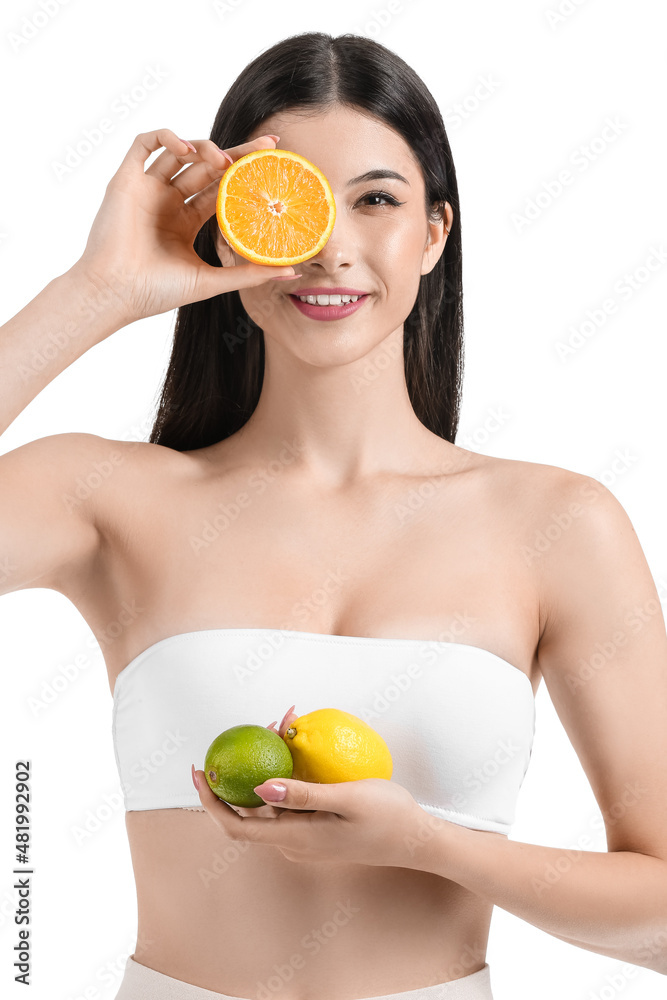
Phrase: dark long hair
(215, 373)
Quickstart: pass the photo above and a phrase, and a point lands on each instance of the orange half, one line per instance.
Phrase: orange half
(275, 207)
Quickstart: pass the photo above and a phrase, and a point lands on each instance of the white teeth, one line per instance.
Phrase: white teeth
(328, 300)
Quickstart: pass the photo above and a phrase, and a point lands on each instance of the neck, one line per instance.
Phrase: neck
(342, 423)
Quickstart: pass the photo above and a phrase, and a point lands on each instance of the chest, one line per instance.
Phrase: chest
(412, 559)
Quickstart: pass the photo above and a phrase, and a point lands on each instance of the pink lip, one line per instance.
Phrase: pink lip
(328, 312)
(323, 290)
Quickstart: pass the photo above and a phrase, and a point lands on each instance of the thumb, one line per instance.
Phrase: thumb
(297, 794)
(215, 280)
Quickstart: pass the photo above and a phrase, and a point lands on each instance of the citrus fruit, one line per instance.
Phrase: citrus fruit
(330, 745)
(242, 757)
(275, 207)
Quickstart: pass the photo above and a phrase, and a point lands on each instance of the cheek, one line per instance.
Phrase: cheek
(397, 254)
(261, 305)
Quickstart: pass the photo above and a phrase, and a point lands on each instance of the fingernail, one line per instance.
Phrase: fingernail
(195, 779)
(276, 138)
(226, 155)
(189, 144)
(273, 792)
(283, 277)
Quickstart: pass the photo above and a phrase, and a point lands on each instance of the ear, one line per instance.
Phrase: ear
(437, 237)
(223, 249)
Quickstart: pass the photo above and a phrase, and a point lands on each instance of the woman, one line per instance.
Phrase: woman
(301, 526)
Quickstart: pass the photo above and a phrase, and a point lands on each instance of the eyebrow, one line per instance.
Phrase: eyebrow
(376, 175)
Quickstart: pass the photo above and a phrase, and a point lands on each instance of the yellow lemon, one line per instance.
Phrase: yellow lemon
(330, 745)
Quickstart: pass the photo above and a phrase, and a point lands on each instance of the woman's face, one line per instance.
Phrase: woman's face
(375, 246)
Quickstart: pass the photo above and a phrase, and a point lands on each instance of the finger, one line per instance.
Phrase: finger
(202, 204)
(216, 280)
(261, 142)
(226, 818)
(168, 164)
(147, 142)
(214, 163)
(289, 717)
(200, 175)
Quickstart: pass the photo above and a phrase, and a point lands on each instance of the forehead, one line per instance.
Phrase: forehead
(343, 142)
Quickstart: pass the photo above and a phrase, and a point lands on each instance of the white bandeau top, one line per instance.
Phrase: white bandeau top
(458, 720)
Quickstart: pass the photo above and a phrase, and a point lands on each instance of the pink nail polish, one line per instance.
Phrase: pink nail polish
(195, 779)
(283, 277)
(227, 156)
(189, 145)
(272, 793)
(276, 138)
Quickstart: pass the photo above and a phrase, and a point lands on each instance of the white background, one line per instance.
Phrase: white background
(555, 80)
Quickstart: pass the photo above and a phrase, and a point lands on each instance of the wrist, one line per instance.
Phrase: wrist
(99, 300)
(429, 843)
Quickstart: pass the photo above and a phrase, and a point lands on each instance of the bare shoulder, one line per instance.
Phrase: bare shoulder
(56, 492)
(120, 476)
(543, 493)
(555, 516)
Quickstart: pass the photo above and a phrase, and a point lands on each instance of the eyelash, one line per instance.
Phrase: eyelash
(382, 194)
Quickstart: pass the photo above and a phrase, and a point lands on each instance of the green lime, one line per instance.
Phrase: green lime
(243, 757)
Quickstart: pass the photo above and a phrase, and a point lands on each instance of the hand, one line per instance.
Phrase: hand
(141, 242)
(373, 821)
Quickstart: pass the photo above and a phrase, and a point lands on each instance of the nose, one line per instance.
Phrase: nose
(339, 252)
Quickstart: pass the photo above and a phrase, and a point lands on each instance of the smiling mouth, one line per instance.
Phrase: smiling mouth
(327, 300)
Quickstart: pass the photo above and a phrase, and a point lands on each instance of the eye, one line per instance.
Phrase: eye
(382, 194)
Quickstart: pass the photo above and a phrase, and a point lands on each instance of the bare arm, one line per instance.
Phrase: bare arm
(68, 317)
(139, 261)
(603, 655)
